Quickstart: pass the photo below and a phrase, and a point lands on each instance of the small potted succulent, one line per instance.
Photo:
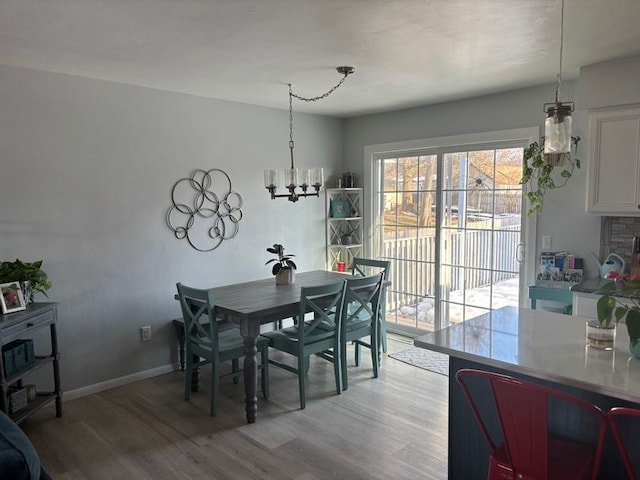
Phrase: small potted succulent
(347, 235)
(284, 268)
(30, 275)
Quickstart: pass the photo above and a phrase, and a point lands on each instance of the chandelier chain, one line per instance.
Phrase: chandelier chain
(306, 178)
(324, 95)
(290, 119)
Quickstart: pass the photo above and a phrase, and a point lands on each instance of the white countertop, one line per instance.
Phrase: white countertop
(544, 345)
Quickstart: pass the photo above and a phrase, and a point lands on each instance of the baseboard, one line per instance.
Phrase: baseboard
(118, 382)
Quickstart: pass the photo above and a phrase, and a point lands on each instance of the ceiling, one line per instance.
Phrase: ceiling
(406, 52)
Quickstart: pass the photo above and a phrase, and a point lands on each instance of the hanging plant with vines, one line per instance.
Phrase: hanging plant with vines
(537, 172)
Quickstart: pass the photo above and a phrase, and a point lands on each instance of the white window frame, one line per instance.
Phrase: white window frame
(528, 135)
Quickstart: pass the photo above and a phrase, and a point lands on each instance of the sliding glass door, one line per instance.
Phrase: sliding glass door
(450, 221)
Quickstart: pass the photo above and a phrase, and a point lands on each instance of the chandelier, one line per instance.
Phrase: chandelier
(557, 125)
(294, 177)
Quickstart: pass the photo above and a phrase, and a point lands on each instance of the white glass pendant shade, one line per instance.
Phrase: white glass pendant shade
(317, 177)
(291, 178)
(557, 129)
(303, 177)
(271, 178)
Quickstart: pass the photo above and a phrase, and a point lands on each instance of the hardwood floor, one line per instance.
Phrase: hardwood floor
(393, 427)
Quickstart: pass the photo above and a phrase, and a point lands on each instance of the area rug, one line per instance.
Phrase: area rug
(419, 357)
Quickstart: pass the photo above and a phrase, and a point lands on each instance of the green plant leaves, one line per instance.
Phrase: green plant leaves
(283, 261)
(26, 271)
(609, 307)
(605, 307)
(633, 325)
(536, 175)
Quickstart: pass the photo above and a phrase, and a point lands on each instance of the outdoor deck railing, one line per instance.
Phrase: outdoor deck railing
(412, 264)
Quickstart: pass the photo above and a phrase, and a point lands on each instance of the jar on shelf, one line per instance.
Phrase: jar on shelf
(348, 180)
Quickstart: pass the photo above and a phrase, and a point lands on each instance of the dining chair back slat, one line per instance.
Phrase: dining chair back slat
(316, 331)
(206, 344)
(366, 267)
(361, 319)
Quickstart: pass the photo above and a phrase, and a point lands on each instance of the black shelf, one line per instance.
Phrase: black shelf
(23, 324)
(38, 363)
(40, 401)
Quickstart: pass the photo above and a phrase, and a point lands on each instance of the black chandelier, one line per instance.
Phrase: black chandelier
(294, 177)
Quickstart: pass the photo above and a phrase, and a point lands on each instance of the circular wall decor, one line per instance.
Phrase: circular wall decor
(200, 215)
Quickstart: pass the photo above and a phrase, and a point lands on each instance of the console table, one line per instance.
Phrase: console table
(19, 325)
(559, 295)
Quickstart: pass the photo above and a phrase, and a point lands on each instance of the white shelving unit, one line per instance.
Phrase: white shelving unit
(343, 218)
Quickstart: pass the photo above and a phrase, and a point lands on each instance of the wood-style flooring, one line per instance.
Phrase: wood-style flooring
(392, 427)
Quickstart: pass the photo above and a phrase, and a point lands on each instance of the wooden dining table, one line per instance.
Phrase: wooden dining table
(251, 304)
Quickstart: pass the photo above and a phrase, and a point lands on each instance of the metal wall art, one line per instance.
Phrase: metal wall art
(200, 215)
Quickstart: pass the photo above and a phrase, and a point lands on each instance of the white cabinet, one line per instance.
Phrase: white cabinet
(344, 228)
(585, 305)
(614, 165)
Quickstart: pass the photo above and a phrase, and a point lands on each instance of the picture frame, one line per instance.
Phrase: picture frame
(11, 299)
(340, 208)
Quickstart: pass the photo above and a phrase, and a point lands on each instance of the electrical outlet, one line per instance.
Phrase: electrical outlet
(145, 332)
(546, 242)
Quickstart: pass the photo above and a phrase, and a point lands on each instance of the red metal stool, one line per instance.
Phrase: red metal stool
(528, 450)
(625, 424)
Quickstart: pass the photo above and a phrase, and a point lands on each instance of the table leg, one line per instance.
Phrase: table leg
(250, 334)
(179, 324)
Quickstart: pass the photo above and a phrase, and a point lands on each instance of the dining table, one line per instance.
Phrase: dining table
(252, 304)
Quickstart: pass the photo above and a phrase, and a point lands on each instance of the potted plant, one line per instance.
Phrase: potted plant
(621, 301)
(284, 268)
(30, 275)
(537, 172)
(347, 235)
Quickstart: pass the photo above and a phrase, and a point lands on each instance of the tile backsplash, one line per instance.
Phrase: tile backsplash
(616, 234)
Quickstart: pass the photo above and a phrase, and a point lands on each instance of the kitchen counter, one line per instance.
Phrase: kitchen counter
(592, 285)
(542, 347)
(589, 286)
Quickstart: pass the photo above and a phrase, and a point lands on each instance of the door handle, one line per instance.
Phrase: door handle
(520, 253)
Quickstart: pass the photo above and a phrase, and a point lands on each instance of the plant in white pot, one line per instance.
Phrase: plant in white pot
(347, 235)
(30, 275)
(284, 268)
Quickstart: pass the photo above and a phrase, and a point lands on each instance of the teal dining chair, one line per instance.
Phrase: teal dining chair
(360, 320)
(310, 336)
(206, 342)
(366, 267)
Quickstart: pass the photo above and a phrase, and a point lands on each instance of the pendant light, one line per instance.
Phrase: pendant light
(557, 126)
(294, 177)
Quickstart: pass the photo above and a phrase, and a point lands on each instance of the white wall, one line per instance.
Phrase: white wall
(563, 215)
(87, 170)
(611, 83)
